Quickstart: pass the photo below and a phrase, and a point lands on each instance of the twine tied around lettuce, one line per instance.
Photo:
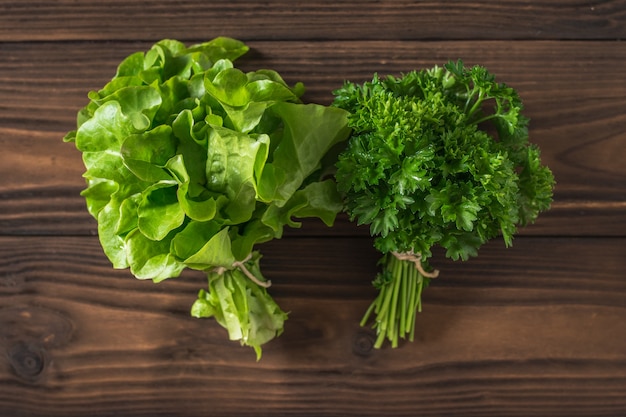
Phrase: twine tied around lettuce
(242, 267)
(416, 258)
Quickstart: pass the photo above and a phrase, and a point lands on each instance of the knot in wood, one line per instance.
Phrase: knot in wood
(28, 360)
(363, 342)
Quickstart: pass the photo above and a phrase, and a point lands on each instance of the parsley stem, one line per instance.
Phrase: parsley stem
(417, 306)
(392, 327)
(405, 299)
(397, 303)
(368, 312)
(410, 323)
(476, 106)
(484, 119)
(382, 319)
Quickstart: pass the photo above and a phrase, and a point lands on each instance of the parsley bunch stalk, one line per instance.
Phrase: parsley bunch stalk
(436, 157)
(399, 298)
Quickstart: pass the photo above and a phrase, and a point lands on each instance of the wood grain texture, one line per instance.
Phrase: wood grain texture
(506, 334)
(576, 104)
(538, 329)
(63, 20)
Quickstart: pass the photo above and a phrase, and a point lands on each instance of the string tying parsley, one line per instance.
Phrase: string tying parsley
(241, 265)
(416, 258)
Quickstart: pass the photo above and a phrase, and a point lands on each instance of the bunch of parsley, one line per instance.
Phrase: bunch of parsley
(436, 157)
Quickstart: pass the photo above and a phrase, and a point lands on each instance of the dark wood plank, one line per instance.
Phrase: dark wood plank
(64, 20)
(575, 103)
(537, 329)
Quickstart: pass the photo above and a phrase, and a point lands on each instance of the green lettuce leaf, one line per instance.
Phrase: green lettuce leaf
(151, 260)
(159, 212)
(310, 131)
(191, 163)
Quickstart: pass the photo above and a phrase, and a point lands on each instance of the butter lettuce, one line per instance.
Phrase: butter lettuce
(191, 163)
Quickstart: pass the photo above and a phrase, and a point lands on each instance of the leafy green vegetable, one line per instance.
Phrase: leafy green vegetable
(240, 305)
(190, 163)
(437, 157)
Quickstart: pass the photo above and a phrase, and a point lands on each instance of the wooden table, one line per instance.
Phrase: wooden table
(538, 329)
